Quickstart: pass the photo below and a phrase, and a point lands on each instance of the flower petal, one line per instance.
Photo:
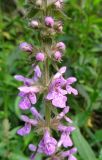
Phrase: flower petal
(71, 80)
(66, 140)
(60, 72)
(19, 78)
(33, 122)
(24, 118)
(25, 130)
(24, 103)
(71, 90)
(59, 101)
(50, 95)
(71, 157)
(62, 91)
(73, 150)
(32, 98)
(32, 147)
(21, 94)
(35, 113)
(26, 89)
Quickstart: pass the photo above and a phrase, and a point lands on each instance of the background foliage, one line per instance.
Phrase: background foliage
(83, 37)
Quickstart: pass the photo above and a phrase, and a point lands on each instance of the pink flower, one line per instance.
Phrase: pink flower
(29, 122)
(29, 90)
(27, 127)
(65, 139)
(28, 96)
(40, 56)
(57, 94)
(59, 87)
(49, 21)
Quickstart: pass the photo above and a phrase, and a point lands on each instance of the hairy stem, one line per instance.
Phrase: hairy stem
(47, 108)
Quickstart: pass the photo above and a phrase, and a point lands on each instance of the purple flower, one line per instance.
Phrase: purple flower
(24, 46)
(59, 87)
(65, 139)
(40, 56)
(69, 154)
(48, 144)
(28, 96)
(70, 89)
(49, 21)
(29, 90)
(57, 94)
(27, 127)
(30, 81)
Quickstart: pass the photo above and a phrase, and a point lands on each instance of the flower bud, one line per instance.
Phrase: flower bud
(59, 26)
(49, 21)
(60, 46)
(40, 56)
(57, 55)
(24, 46)
(39, 3)
(34, 24)
(58, 4)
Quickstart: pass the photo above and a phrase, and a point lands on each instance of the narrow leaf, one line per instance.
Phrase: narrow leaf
(82, 145)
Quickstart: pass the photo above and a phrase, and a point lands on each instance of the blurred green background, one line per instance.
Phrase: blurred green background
(83, 57)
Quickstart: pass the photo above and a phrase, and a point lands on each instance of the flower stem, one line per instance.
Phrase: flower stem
(47, 108)
(47, 114)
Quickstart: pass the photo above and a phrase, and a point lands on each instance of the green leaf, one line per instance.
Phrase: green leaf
(96, 2)
(82, 118)
(16, 156)
(84, 93)
(98, 135)
(82, 145)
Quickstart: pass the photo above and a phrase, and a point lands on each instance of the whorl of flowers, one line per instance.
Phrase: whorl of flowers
(55, 89)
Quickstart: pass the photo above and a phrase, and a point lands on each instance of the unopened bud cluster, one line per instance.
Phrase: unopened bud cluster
(55, 90)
